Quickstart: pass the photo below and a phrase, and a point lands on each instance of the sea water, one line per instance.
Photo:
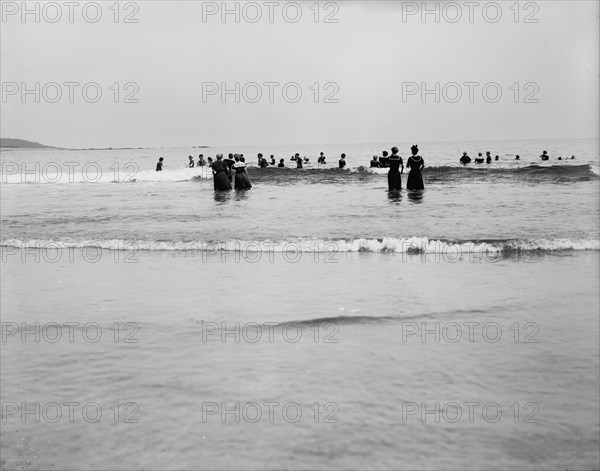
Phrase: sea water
(314, 322)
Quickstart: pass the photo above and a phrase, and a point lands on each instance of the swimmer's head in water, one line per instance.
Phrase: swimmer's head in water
(394, 150)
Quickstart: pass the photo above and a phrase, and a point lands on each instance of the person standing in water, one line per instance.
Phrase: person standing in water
(191, 162)
(415, 163)
(159, 165)
(221, 174)
(242, 182)
(229, 161)
(342, 161)
(375, 162)
(384, 160)
(281, 163)
(394, 174)
(201, 162)
(544, 156)
(465, 159)
(298, 161)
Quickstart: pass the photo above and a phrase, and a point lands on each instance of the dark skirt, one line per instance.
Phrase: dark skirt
(242, 182)
(414, 181)
(394, 181)
(221, 182)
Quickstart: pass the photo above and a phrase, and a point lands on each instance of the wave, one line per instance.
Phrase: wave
(410, 245)
(503, 172)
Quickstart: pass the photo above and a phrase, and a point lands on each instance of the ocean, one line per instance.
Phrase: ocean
(314, 322)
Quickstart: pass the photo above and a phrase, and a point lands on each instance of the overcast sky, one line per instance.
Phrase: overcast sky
(369, 58)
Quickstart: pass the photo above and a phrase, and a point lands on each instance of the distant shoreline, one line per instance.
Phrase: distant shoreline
(9, 143)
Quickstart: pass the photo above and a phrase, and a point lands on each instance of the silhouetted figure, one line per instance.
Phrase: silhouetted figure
(517, 157)
(221, 172)
(281, 163)
(374, 162)
(479, 159)
(229, 161)
(273, 160)
(242, 182)
(159, 165)
(415, 163)
(384, 161)
(394, 174)
(560, 158)
(298, 161)
(497, 157)
(488, 158)
(201, 162)
(342, 162)
(210, 162)
(545, 156)
(191, 163)
(572, 157)
(465, 159)
(321, 159)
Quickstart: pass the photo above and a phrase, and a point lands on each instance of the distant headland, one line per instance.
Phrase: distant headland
(23, 144)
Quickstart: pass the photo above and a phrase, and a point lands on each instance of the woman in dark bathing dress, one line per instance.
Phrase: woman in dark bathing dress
(221, 174)
(242, 182)
(394, 175)
(415, 163)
